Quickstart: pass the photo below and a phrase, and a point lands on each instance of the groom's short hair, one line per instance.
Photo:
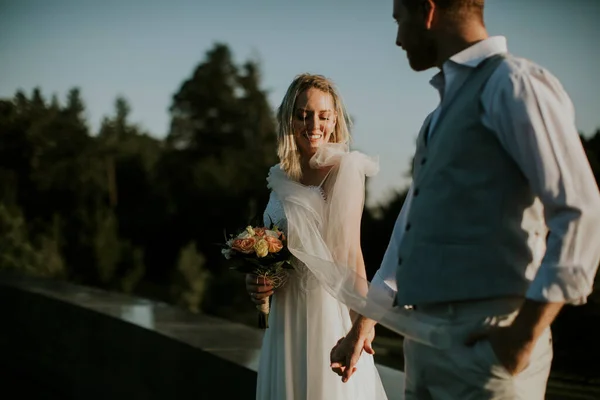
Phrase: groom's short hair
(456, 7)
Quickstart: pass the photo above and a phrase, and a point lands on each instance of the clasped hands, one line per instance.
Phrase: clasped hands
(345, 354)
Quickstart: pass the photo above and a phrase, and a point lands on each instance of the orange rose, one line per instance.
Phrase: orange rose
(260, 232)
(274, 244)
(245, 246)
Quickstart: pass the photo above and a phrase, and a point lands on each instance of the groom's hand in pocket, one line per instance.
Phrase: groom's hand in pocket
(258, 288)
(514, 344)
(510, 348)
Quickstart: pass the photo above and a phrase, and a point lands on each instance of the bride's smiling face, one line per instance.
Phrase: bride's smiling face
(314, 120)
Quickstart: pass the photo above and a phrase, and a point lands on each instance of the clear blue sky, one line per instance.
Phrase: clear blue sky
(145, 49)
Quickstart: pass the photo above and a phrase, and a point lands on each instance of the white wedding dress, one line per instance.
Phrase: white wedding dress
(305, 323)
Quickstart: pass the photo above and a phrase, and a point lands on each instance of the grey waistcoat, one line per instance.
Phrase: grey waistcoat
(466, 235)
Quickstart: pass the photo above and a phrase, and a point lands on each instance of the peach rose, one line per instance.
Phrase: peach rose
(260, 232)
(245, 246)
(274, 244)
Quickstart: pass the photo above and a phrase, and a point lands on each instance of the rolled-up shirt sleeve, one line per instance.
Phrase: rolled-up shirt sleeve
(535, 121)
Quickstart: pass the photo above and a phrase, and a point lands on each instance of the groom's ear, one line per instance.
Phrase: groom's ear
(428, 8)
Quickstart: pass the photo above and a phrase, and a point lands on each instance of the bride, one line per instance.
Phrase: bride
(317, 198)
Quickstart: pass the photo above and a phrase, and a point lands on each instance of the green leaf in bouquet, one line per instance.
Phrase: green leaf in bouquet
(255, 262)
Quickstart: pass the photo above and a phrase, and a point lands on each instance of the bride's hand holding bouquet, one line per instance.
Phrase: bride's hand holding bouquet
(261, 253)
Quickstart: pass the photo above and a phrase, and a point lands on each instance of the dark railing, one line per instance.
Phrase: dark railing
(63, 341)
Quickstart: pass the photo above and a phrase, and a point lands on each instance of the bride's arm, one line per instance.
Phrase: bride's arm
(355, 257)
(360, 284)
(346, 193)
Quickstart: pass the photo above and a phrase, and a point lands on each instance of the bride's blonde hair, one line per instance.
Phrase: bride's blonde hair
(287, 150)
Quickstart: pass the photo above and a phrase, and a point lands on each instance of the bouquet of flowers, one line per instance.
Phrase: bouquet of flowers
(261, 251)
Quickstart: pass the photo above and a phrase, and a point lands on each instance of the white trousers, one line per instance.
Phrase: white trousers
(464, 373)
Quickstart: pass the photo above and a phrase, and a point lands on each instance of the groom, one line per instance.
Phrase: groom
(501, 225)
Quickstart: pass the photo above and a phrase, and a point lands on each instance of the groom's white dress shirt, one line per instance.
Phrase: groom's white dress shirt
(532, 115)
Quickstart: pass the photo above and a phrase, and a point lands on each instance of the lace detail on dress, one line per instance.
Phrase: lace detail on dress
(275, 214)
(320, 190)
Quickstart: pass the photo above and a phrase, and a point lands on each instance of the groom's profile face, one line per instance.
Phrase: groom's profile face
(413, 35)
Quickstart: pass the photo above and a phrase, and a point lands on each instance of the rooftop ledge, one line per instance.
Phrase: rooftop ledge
(73, 342)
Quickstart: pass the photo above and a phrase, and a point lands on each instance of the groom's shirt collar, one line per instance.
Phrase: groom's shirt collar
(472, 56)
(469, 58)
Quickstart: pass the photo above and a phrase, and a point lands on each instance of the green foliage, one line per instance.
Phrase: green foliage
(15, 249)
(116, 209)
(107, 246)
(19, 254)
(132, 262)
(217, 154)
(191, 279)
